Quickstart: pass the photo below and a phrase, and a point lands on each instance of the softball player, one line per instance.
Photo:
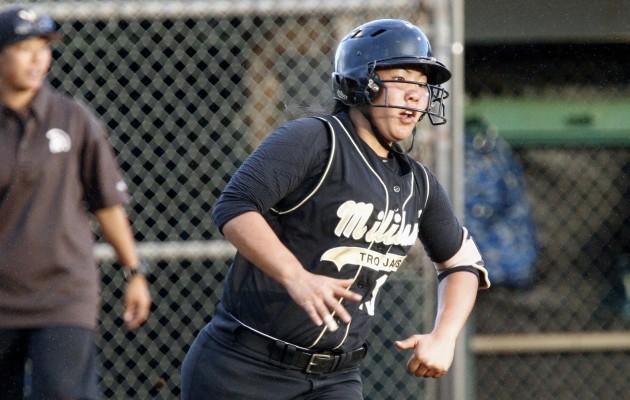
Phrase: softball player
(321, 213)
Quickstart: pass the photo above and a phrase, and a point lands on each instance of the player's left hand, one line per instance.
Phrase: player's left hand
(137, 302)
(432, 356)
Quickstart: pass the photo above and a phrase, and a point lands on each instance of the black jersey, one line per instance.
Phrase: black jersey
(344, 212)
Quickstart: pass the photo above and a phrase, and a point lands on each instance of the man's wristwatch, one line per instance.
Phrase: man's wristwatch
(142, 269)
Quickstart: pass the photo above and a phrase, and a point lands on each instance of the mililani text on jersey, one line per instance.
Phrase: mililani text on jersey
(388, 229)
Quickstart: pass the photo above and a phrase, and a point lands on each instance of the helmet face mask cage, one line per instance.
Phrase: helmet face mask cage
(436, 95)
(384, 44)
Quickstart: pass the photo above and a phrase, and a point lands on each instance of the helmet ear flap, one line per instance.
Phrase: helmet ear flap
(348, 90)
(354, 93)
(341, 89)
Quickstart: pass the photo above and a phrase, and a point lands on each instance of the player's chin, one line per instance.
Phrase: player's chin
(403, 133)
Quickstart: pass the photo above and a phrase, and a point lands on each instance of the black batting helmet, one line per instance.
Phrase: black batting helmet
(380, 44)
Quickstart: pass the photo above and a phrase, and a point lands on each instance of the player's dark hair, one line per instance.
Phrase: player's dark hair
(339, 106)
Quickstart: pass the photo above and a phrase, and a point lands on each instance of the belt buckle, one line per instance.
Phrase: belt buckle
(320, 363)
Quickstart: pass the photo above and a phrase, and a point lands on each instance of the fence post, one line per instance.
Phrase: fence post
(449, 36)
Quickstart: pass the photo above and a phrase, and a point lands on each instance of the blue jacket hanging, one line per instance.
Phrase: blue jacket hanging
(498, 214)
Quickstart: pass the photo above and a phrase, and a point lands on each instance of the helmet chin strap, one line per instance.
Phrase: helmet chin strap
(413, 140)
(392, 148)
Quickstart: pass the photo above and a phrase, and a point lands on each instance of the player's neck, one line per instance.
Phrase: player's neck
(364, 130)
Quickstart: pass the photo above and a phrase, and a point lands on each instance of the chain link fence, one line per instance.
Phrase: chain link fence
(188, 89)
(566, 336)
(581, 208)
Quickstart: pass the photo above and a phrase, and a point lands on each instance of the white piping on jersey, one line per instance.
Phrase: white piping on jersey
(412, 180)
(371, 243)
(333, 147)
(264, 334)
(360, 153)
(366, 162)
(428, 188)
(345, 335)
(325, 328)
(411, 186)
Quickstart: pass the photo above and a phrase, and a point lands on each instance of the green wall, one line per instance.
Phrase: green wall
(556, 122)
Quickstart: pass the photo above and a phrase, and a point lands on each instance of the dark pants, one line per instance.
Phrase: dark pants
(60, 364)
(218, 368)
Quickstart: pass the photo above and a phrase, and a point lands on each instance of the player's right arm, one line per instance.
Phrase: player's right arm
(283, 164)
(317, 295)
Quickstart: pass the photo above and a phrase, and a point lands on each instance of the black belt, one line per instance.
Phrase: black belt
(287, 355)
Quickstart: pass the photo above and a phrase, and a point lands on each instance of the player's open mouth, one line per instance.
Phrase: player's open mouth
(407, 115)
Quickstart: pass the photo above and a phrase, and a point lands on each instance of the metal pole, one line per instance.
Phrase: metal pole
(457, 385)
